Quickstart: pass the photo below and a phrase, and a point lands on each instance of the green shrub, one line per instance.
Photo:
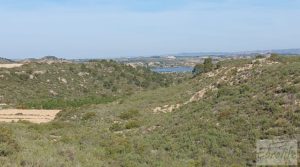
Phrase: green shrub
(256, 62)
(244, 89)
(89, 115)
(24, 77)
(64, 103)
(116, 127)
(107, 84)
(8, 145)
(54, 125)
(207, 66)
(198, 69)
(129, 114)
(218, 65)
(269, 106)
(289, 89)
(227, 91)
(132, 124)
(259, 56)
(274, 57)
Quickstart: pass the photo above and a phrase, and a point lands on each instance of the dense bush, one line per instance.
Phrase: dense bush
(132, 124)
(207, 66)
(116, 127)
(8, 145)
(129, 114)
(88, 115)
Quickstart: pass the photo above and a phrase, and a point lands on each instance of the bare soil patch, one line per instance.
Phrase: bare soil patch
(10, 65)
(34, 116)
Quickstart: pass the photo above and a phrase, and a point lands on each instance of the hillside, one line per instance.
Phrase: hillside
(4, 60)
(52, 85)
(213, 119)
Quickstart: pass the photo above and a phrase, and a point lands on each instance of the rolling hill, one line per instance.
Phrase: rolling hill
(56, 84)
(4, 60)
(212, 119)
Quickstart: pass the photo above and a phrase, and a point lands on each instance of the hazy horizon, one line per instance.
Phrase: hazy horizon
(110, 29)
(162, 54)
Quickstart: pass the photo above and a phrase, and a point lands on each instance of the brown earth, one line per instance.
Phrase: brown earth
(34, 116)
(10, 65)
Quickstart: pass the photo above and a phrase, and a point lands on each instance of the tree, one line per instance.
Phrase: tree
(274, 57)
(259, 56)
(207, 66)
(198, 69)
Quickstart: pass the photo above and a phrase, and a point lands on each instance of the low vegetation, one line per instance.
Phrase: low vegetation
(241, 102)
(60, 85)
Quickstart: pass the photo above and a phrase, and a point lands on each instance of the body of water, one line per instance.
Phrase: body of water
(172, 69)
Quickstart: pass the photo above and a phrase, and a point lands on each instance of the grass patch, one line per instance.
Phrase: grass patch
(62, 103)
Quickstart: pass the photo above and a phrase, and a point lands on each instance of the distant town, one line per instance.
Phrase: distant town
(165, 61)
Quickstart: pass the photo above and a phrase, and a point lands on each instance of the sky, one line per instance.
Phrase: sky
(127, 28)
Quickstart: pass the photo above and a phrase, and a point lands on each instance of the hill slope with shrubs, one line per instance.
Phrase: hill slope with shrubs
(42, 85)
(213, 119)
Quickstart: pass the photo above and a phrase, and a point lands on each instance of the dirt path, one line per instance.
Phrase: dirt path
(34, 116)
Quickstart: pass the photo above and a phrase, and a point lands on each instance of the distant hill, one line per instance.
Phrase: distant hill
(4, 60)
(287, 51)
(193, 58)
(278, 51)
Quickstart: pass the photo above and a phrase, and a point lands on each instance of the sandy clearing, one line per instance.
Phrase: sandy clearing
(34, 116)
(10, 65)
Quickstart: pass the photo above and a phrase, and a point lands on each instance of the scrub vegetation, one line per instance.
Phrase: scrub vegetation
(61, 85)
(212, 119)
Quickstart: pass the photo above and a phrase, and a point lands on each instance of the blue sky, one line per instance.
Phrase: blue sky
(119, 28)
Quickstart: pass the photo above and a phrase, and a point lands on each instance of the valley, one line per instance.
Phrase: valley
(174, 120)
(149, 83)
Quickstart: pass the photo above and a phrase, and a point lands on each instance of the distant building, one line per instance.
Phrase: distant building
(171, 57)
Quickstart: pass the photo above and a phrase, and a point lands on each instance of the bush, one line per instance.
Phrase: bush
(116, 127)
(132, 124)
(259, 56)
(207, 66)
(269, 106)
(23, 77)
(218, 65)
(274, 57)
(89, 115)
(289, 89)
(65, 103)
(7, 144)
(198, 69)
(129, 114)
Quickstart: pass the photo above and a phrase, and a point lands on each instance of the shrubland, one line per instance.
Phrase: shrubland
(61, 85)
(221, 114)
